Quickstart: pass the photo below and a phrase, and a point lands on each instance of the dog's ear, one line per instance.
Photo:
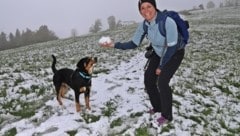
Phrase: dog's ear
(81, 64)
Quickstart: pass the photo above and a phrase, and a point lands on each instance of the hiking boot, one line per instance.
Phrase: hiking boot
(161, 121)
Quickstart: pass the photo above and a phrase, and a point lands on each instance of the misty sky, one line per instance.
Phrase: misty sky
(61, 16)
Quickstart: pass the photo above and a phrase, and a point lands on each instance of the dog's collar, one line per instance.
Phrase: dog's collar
(84, 75)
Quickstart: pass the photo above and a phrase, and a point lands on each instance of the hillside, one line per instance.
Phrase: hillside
(206, 88)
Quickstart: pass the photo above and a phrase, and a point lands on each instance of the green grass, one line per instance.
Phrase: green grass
(204, 93)
(142, 131)
(224, 89)
(27, 109)
(137, 114)
(24, 113)
(18, 81)
(167, 128)
(116, 122)
(24, 91)
(207, 111)
(8, 105)
(89, 118)
(72, 132)
(3, 93)
(11, 132)
(196, 119)
(110, 108)
(213, 53)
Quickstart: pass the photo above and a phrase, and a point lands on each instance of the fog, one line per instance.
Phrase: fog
(61, 16)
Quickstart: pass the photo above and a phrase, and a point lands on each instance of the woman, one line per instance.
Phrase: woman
(157, 75)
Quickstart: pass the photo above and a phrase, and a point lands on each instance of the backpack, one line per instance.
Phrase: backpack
(182, 26)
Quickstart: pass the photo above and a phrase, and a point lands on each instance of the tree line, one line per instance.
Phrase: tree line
(26, 37)
(210, 4)
(231, 3)
(225, 3)
(43, 34)
(112, 24)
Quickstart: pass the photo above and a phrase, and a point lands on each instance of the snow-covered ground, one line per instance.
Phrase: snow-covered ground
(206, 88)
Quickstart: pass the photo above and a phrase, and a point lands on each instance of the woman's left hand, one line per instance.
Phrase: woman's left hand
(106, 44)
(158, 71)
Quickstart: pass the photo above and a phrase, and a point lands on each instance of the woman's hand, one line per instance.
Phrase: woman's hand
(158, 71)
(107, 44)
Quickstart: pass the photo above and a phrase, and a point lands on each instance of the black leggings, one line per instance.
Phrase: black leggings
(157, 87)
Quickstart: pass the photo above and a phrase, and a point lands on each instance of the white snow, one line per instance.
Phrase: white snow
(205, 88)
(104, 39)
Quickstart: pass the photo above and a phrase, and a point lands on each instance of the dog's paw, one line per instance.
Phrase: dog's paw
(89, 108)
(60, 103)
(78, 108)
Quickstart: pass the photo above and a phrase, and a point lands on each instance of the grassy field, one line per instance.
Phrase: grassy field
(206, 87)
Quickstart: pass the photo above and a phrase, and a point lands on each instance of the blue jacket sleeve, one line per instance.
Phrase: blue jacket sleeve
(172, 40)
(125, 46)
(168, 54)
(136, 39)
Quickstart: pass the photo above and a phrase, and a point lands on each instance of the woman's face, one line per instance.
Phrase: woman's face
(148, 11)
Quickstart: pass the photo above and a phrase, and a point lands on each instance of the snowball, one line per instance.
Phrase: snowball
(104, 39)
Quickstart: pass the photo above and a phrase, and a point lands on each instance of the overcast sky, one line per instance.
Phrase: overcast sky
(63, 15)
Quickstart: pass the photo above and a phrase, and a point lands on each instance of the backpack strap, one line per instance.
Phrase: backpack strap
(145, 28)
(161, 20)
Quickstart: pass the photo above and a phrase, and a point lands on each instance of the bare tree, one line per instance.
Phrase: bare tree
(221, 5)
(231, 3)
(3, 39)
(44, 34)
(74, 34)
(210, 5)
(119, 23)
(96, 27)
(201, 6)
(111, 22)
(18, 36)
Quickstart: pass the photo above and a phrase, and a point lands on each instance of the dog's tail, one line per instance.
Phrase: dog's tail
(53, 64)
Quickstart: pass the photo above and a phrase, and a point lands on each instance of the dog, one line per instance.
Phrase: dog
(79, 80)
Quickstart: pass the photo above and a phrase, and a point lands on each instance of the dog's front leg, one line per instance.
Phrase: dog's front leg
(82, 89)
(64, 89)
(87, 100)
(87, 103)
(59, 95)
(78, 106)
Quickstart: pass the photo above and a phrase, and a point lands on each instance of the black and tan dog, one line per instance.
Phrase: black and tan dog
(79, 80)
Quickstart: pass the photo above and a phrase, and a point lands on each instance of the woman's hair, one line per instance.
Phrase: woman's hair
(153, 2)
